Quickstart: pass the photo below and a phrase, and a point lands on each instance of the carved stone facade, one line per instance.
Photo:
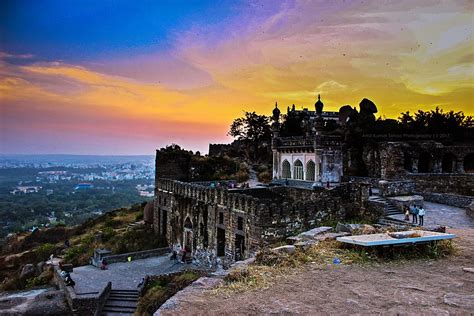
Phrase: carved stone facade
(315, 157)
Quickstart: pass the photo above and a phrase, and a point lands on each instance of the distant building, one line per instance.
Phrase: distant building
(84, 186)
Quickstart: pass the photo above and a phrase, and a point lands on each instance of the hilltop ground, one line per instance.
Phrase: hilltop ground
(411, 287)
(415, 287)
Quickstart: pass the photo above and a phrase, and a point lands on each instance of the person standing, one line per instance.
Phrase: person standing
(414, 214)
(421, 215)
(407, 213)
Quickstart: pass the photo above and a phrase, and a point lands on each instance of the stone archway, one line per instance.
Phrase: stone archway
(188, 235)
(310, 170)
(286, 170)
(408, 162)
(425, 163)
(448, 164)
(469, 163)
(298, 170)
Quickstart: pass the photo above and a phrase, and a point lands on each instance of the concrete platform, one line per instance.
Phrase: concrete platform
(386, 239)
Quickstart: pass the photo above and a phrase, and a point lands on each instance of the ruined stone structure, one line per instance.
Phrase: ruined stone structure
(232, 224)
(314, 157)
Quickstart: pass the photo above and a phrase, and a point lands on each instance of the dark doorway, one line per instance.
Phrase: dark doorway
(408, 163)
(424, 163)
(469, 163)
(220, 242)
(164, 223)
(448, 163)
(239, 247)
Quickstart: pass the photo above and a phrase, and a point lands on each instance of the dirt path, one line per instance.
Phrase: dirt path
(415, 287)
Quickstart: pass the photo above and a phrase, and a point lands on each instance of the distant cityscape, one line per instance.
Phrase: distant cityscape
(45, 190)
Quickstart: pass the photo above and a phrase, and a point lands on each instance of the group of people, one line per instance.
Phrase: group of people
(417, 212)
(177, 251)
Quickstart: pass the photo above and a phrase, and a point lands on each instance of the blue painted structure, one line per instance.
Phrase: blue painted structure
(385, 239)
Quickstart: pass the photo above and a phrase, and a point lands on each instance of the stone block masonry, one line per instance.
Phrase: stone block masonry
(232, 225)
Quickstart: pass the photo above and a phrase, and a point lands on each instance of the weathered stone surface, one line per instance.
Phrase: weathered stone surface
(40, 267)
(470, 210)
(435, 228)
(331, 236)
(305, 244)
(396, 188)
(293, 240)
(310, 234)
(289, 249)
(459, 300)
(28, 271)
(183, 296)
(47, 303)
(348, 228)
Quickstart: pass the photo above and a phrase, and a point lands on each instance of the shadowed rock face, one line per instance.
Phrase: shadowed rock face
(345, 114)
(367, 106)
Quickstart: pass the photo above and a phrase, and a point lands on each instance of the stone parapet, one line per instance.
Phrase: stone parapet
(82, 304)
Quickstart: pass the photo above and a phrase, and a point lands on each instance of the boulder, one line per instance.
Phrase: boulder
(435, 228)
(459, 300)
(367, 106)
(470, 210)
(347, 228)
(310, 234)
(293, 240)
(28, 271)
(305, 244)
(40, 267)
(288, 249)
(364, 229)
(331, 236)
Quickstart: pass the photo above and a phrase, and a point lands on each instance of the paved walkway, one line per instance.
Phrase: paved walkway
(123, 275)
(441, 214)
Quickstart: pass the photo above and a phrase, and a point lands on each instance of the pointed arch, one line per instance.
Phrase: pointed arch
(298, 170)
(310, 170)
(285, 169)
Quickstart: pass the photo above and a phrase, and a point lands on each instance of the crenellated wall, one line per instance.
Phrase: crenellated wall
(234, 224)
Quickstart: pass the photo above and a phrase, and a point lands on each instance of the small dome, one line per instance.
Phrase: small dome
(319, 105)
(276, 111)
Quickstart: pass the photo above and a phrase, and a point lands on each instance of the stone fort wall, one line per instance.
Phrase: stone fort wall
(233, 225)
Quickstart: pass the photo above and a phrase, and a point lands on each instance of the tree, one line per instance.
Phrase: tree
(254, 131)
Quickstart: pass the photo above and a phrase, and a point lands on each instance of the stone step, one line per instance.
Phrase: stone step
(114, 308)
(123, 295)
(124, 291)
(123, 299)
(120, 303)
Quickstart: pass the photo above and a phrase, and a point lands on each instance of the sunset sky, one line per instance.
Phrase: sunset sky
(127, 77)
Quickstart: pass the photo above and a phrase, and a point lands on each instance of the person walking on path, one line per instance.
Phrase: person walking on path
(421, 215)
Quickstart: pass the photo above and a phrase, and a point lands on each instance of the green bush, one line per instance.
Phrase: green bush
(44, 251)
(265, 176)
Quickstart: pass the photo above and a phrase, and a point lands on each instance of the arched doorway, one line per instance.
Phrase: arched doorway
(188, 235)
(285, 170)
(424, 163)
(448, 164)
(469, 163)
(408, 162)
(298, 170)
(310, 170)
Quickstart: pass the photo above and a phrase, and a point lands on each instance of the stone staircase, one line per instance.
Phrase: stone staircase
(121, 302)
(389, 207)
